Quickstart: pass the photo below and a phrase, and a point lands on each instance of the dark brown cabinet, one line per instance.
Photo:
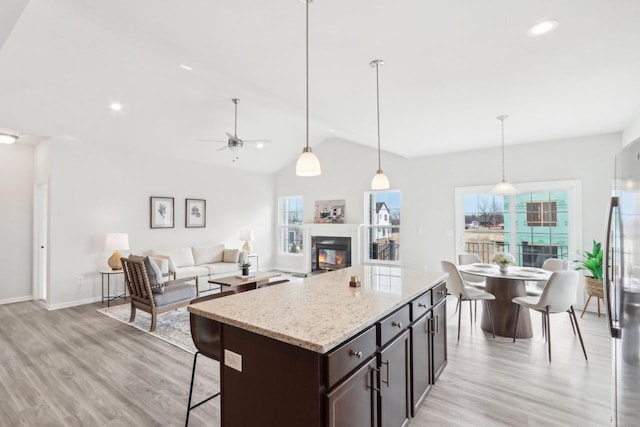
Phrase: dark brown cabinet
(439, 339)
(354, 401)
(394, 396)
(420, 361)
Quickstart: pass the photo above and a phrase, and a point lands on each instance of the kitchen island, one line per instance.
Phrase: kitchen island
(321, 353)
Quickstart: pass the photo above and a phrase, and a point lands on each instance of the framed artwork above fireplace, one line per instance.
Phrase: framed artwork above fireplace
(329, 212)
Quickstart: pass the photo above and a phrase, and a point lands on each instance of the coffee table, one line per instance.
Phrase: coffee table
(237, 284)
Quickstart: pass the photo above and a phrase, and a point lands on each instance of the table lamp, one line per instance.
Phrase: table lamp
(115, 242)
(247, 236)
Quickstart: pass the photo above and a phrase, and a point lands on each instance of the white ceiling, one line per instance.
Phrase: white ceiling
(451, 68)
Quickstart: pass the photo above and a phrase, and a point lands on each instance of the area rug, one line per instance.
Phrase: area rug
(172, 327)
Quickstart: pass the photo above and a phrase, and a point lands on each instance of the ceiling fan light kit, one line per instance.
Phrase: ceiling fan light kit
(504, 187)
(380, 180)
(308, 163)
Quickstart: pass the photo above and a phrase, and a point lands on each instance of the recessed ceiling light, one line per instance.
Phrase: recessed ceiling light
(543, 27)
(116, 106)
(259, 145)
(6, 138)
(186, 67)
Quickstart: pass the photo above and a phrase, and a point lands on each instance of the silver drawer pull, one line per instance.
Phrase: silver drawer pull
(422, 305)
(398, 324)
(441, 292)
(357, 354)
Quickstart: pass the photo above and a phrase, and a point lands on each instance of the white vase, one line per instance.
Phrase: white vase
(504, 268)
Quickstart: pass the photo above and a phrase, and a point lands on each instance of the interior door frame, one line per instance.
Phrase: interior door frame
(40, 268)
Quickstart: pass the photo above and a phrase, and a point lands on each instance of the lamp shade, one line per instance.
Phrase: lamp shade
(308, 164)
(380, 181)
(504, 188)
(246, 235)
(116, 241)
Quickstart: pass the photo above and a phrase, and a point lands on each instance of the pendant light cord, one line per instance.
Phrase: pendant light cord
(378, 110)
(307, 65)
(502, 119)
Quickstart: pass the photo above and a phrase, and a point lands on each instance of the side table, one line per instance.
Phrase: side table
(249, 256)
(107, 274)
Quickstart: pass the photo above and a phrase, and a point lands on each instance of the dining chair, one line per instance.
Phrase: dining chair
(558, 296)
(550, 264)
(456, 287)
(205, 334)
(470, 279)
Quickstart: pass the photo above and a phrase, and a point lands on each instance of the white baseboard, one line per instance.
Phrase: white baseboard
(17, 299)
(73, 303)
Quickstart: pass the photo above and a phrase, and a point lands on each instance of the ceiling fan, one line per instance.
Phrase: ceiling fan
(234, 143)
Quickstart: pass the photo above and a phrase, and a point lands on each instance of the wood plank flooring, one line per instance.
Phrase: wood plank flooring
(76, 367)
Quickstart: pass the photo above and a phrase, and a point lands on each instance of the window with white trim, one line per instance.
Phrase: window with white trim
(382, 225)
(542, 221)
(290, 210)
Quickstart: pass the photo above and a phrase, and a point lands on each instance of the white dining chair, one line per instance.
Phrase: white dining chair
(471, 279)
(550, 264)
(558, 296)
(456, 287)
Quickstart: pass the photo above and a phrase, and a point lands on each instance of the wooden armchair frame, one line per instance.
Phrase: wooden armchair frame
(141, 291)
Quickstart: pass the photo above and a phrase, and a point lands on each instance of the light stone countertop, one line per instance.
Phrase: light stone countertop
(322, 311)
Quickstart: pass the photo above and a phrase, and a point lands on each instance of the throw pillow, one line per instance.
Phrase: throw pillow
(231, 255)
(155, 275)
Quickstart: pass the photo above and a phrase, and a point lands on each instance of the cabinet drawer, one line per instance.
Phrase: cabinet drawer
(438, 293)
(392, 325)
(350, 355)
(420, 305)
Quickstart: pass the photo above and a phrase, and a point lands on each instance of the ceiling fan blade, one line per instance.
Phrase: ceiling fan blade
(210, 140)
(256, 141)
(222, 148)
(230, 136)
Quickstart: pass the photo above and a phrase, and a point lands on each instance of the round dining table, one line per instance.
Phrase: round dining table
(505, 287)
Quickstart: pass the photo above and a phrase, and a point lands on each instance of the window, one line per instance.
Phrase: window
(542, 214)
(542, 221)
(382, 221)
(290, 224)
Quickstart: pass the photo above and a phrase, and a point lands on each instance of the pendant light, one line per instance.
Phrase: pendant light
(503, 187)
(307, 164)
(380, 180)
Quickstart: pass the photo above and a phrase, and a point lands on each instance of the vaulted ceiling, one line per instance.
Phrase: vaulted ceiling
(451, 68)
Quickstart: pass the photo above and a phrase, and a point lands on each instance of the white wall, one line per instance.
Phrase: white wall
(631, 132)
(94, 191)
(16, 201)
(347, 170)
(427, 185)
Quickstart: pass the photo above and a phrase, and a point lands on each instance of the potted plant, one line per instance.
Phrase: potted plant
(245, 267)
(592, 261)
(503, 260)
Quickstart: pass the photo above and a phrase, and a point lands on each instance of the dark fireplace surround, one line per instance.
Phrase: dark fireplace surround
(330, 253)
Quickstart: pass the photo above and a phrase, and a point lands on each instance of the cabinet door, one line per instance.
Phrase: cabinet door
(394, 382)
(439, 340)
(420, 361)
(352, 403)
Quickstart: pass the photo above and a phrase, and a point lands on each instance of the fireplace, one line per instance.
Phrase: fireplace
(330, 253)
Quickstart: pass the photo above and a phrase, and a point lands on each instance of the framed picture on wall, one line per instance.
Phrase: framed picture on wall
(161, 212)
(329, 212)
(195, 213)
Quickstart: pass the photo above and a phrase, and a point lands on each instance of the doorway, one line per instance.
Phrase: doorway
(40, 246)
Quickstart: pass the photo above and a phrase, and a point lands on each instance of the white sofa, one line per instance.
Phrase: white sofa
(199, 261)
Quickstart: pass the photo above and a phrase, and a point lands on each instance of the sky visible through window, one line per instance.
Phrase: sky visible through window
(473, 201)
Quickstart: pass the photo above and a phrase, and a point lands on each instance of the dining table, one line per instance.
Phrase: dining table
(505, 286)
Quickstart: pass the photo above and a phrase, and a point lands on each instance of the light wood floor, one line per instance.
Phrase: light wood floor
(76, 367)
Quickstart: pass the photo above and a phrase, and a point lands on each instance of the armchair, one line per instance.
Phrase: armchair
(150, 293)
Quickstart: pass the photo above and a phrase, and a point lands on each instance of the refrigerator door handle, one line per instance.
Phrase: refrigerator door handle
(610, 291)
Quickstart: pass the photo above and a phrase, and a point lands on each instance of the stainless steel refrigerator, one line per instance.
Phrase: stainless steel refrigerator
(622, 285)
